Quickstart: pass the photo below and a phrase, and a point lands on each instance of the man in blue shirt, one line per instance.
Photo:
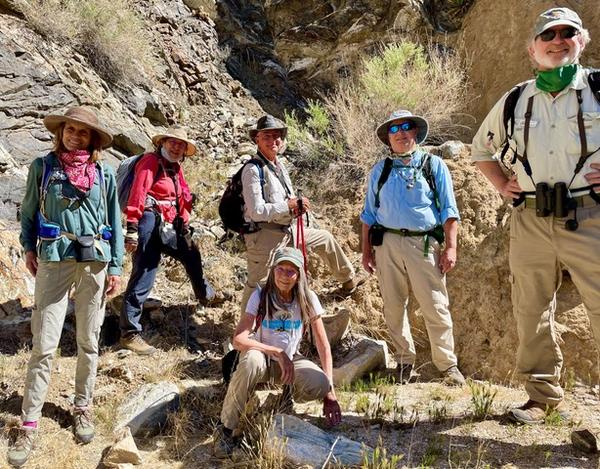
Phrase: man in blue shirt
(406, 217)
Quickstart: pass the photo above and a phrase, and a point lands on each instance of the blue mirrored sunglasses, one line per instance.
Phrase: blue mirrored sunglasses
(405, 127)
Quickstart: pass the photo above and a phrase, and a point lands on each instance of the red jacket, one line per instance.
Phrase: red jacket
(145, 182)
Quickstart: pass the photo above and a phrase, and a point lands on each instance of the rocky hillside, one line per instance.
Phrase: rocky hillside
(217, 67)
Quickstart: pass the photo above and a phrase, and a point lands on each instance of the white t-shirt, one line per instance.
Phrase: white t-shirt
(284, 329)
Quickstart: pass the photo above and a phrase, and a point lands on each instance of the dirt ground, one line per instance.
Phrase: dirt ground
(426, 423)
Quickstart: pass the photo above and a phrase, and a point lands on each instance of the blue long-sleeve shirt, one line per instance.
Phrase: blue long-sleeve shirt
(401, 207)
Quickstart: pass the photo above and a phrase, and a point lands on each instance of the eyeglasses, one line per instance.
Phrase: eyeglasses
(404, 127)
(566, 33)
(290, 273)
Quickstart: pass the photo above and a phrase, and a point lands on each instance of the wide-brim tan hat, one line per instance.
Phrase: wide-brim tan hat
(402, 114)
(80, 115)
(180, 134)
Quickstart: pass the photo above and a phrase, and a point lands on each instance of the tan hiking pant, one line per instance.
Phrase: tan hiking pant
(52, 284)
(260, 247)
(538, 247)
(400, 260)
(310, 383)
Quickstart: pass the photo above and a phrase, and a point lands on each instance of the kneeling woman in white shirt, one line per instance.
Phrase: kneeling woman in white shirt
(278, 315)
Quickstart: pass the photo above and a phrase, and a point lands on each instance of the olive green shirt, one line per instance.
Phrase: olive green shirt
(78, 216)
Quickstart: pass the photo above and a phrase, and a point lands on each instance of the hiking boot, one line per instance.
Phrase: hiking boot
(83, 425)
(224, 443)
(534, 413)
(453, 377)
(405, 372)
(135, 343)
(19, 451)
(350, 286)
(584, 440)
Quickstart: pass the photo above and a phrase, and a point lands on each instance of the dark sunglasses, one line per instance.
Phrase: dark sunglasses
(405, 127)
(566, 33)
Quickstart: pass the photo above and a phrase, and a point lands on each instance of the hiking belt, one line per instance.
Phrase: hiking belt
(152, 201)
(436, 233)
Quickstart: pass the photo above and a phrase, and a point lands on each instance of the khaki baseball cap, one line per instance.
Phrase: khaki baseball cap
(556, 17)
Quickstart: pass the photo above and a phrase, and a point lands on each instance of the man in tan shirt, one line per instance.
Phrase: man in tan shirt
(273, 206)
(556, 220)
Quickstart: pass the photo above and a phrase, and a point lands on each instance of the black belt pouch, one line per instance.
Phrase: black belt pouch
(85, 249)
(376, 233)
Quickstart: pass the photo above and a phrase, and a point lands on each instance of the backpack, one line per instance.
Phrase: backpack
(510, 103)
(125, 175)
(231, 206)
(427, 173)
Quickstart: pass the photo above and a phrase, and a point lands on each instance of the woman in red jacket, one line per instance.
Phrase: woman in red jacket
(158, 213)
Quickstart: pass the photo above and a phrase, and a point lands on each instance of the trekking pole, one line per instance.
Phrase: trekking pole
(300, 242)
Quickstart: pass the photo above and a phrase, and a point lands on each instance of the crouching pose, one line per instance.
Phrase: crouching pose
(279, 313)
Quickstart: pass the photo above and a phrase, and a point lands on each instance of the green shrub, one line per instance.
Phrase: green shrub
(108, 32)
(482, 398)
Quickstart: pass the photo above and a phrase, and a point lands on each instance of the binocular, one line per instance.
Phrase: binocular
(553, 201)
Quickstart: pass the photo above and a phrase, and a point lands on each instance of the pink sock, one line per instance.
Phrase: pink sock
(30, 424)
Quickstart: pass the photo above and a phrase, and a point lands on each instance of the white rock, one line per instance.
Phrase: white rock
(305, 444)
(123, 452)
(367, 355)
(147, 407)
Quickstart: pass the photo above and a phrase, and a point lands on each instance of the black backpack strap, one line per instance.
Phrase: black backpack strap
(508, 116)
(385, 173)
(430, 178)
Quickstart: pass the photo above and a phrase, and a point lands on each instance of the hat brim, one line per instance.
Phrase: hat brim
(422, 129)
(191, 146)
(54, 121)
(254, 132)
(560, 22)
(297, 262)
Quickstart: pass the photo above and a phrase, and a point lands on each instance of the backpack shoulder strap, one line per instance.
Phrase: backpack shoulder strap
(260, 166)
(594, 83)
(508, 114)
(383, 177)
(430, 178)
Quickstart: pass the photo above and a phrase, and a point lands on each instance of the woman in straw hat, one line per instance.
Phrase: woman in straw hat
(158, 214)
(71, 235)
(278, 314)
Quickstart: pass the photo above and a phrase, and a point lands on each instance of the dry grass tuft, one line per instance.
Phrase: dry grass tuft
(108, 32)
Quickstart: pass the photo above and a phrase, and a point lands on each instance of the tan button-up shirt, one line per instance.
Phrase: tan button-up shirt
(554, 143)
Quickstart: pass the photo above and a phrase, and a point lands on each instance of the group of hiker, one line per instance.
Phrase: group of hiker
(73, 239)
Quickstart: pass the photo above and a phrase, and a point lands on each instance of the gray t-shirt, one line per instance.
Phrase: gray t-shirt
(284, 329)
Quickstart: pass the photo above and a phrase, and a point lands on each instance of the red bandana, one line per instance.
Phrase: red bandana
(79, 169)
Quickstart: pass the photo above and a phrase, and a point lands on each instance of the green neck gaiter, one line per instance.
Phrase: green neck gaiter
(557, 79)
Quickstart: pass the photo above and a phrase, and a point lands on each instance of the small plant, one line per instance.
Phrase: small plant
(553, 417)
(482, 398)
(432, 453)
(438, 411)
(383, 404)
(362, 404)
(379, 458)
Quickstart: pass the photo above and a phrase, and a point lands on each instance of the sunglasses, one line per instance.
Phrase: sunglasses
(405, 127)
(566, 33)
(290, 273)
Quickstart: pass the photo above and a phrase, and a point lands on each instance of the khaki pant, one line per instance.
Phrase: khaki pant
(260, 247)
(400, 260)
(538, 247)
(52, 284)
(310, 383)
